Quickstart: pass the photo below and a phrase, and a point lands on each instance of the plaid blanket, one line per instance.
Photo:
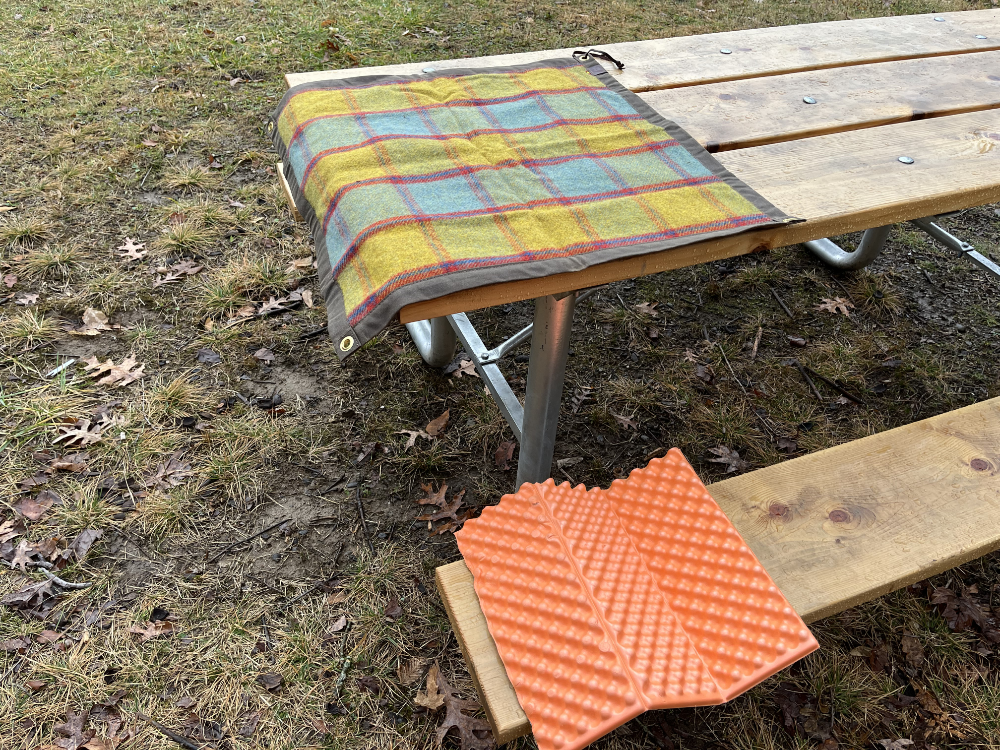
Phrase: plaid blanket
(417, 186)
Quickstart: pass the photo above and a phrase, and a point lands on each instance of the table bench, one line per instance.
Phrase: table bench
(815, 118)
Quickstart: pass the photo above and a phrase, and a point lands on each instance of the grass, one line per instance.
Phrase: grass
(120, 120)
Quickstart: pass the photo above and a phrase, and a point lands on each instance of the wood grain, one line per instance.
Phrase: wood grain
(288, 192)
(695, 60)
(757, 111)
(842, 182)
(496, 694)
(834, 529)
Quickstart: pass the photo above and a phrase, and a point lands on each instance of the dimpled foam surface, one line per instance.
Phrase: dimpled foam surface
(607, 603)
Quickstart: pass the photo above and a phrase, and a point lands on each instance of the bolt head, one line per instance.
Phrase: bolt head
(428, 70)
(808, 100)
(906, 159)
(980, 36)
(726, 51)
(938, 18)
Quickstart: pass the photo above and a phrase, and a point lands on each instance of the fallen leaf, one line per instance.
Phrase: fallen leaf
(339, 625)
(625, 422)
(730, 458)
(704, 373)
(466, 367)
(504, 454)
(208, 357)
(73, 729)
(431, 697)
(320, 726)
(132, 250)
(20, 644)
(94, 321)
(580, 396)
(562, 463)
(234, 82)
(11, 529)
(836, 305)
(249, 723)
(270, 681)
(960, 612)
(36, 685)
(117, 375)
(913, 650)
(72, 462)
(307, 298)
(797, 341)
(408, 672)
(26, 299)
(47, 637)
(153, 630)
(437, 426)
(473, 733)
(9, 280)
(36, 507)
(394, 610)
(787, 445)
(170, 473)
(80, 433)
(148, 143)
(34, 595)
(370, 683)
(901, 744)
(647, 308)
(82, 543)
(241, 38)
(170, 278)
(186, 702)
(413, 435)
(264, 355)
(690, 356)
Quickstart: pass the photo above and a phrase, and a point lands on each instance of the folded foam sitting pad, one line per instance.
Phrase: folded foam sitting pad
(607, 603)
(418, 186)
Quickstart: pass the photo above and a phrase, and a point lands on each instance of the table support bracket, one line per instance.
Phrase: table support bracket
(534, 423)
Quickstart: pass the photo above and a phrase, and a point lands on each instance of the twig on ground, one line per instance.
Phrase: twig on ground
(332, 486)
(731, 372)
(65, 584)
(837, 388)
(756, 343)
(248, 539)
(311, 334)
(782, 303)
(844, 289)
(364, 524)
(805, 375)
(170, 734)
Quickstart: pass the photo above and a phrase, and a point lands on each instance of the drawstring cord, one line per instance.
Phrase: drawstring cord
(598, 55)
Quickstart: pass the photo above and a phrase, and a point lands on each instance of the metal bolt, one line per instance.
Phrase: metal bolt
(938, 18)
(484, 356)
(906, 159)
(726, 51)
(428, 70)
(980, 36)
(808, 100)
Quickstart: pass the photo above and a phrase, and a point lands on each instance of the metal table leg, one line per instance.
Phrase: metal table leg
(543, 397)
(435, 340)
(952, 242)
(868, 250)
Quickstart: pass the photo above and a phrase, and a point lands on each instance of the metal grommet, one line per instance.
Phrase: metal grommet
(808, 100)
(906, 159)
(347, 343)
(726, 51)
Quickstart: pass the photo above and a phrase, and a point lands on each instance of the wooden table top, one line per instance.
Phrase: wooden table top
(813, 117)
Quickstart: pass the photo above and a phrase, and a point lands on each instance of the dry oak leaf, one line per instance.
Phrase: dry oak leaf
(264, 355)
(132, 250)
(626, 422)
(11, 529)
(117, 375)
(431, 697)
(94, 321)
(504, 454)
(408, 672)
(466, 367)
(437, 426)
(394, 610)
(153, 630)
(170, 473)
(27, 299)
(36, 507)
(307, 298)
(836, 305)
(730, 458)
(79, 433)
(413, 435)
(9, 280)
(473, 733)
(270, 681)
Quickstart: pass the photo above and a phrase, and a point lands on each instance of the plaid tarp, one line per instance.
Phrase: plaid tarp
(418, 186)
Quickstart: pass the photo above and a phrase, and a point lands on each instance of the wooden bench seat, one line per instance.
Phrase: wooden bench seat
(834, 529)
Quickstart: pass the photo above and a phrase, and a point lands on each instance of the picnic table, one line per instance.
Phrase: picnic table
(849, 125)
(852, 126)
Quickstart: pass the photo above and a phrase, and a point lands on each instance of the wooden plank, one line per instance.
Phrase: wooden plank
(288, 192)
(695, 60)
(834, 529)
(757, 111)
(843, 182)
(496, 694)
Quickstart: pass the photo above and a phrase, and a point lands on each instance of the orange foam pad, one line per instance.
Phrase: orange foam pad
(607, 603)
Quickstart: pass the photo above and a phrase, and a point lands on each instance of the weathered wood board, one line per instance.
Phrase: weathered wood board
(834, 529)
